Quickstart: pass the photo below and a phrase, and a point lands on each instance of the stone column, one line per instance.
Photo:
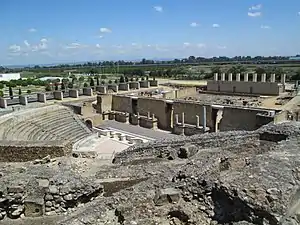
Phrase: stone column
(23, 100)
(223, 76)
(283, 77)
(230, 77)
(254, 78)
(41, 97)
(58, 95)
(182, 119)
(197, 122)
(246, 77)
(73, 93)
(176, 119)
(204, 118)
(238, 77)
(153, 116)
(216, 76)
(148, 115)
(3, 103)
(273, 78)
(88, 91)
(263, 77)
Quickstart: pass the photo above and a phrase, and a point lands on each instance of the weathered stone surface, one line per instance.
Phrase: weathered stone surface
(165, 196)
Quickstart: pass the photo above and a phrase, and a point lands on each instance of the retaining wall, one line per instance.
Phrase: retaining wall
(22, 151)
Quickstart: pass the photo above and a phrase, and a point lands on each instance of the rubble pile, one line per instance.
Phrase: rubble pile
(237, 178)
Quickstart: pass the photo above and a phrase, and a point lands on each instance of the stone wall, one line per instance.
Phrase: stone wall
(104, 103)
(156, 107)
(22, 151)
(121, 103)
(239, 119)
(262, 88)
(185, 92)
(209, 140)
(191, 110)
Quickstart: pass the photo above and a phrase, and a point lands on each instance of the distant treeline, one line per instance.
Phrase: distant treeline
(192, 60)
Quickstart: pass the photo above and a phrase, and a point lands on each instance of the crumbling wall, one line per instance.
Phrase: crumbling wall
(208, 140)
(121, 103)
(22, 151)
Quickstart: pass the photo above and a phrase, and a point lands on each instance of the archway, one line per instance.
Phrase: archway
(89, 124)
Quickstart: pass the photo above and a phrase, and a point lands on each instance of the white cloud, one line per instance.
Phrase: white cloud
(98, 46)
(221, 47)
(194, 24)
(265, 27)
(105, 30)
(117, 46)
(256, 7)
(26, 43)
(215, 25)
(186, 44)
(74, 45)
(201, 45)
(299, 13)
(254, 14)
(32, 30)
(44, 40)
(158, 8)
(14, 48)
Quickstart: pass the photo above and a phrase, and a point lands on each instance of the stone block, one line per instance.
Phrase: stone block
(144, 84)
(124, 87)
(41, 97)
(58, 95)
(166, 196)
(134, 85)
(73, 93)
(3, 103)
(88, 91)
(34, 207)
(113, 87)
(101, 89)
(187, 151)
(23, 100)
(153, 83)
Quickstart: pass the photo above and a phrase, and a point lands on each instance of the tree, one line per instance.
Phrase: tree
(1, 93)
(103, 77)
(48, 88)
(70, 85)
(126, 79)
(110, 81)
(147, 77)
(74, 79)
(85, 85)
(98, 81)
(63, 86)
(122, 79)
(116, 81)
(136, 79)
(143, 78)
(20, 91)
(10, 92)
(28, 91)
(131, 79)
(103, 82)
(1, 86)
(81, 79)
(260, 70)
(56, 86)
(92, 82)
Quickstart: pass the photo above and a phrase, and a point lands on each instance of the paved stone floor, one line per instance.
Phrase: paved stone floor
(139, 131)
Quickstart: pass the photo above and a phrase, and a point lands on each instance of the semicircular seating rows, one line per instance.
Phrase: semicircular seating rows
(43, 124)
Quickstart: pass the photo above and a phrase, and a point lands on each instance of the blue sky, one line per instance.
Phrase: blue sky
(36, 32)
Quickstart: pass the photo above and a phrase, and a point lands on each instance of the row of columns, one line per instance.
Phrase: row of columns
(41, 97)
(197, 119)
(246, 77)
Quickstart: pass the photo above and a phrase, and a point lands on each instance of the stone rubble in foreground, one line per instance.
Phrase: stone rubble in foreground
(235, 177)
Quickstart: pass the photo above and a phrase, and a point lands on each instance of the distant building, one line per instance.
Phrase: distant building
(9, 76)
